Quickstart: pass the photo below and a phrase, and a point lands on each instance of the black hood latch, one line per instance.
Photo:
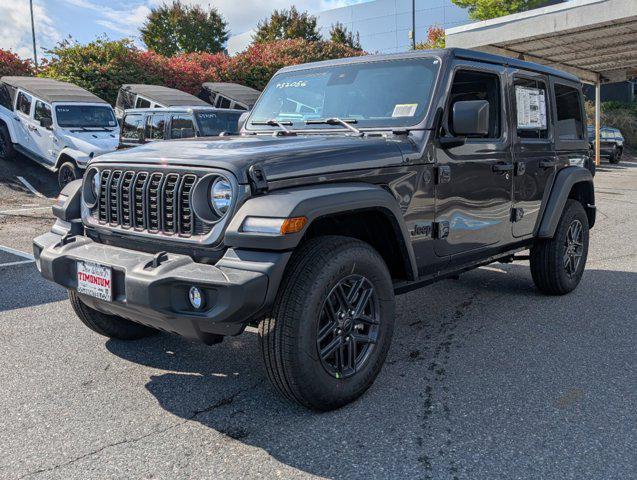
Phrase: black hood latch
(258, 181)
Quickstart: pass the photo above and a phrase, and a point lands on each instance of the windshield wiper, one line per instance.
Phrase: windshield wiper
(336, 121)
(273, 122)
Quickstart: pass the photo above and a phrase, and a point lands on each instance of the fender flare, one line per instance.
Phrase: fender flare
(565, 180)
(80, 158)
(314, 202)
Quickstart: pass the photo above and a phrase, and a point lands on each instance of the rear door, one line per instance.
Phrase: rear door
(473, 191)
(156, 127)
(533, 149)
(571, 142)
(22, 112)
(132, 131)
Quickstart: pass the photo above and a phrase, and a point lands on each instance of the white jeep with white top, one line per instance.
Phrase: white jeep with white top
(56, 124)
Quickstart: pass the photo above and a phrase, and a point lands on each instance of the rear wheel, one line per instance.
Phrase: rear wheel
(7, 152)
(331, 326)
(616, 155)
(557, 264)
(68, 172)
(110, 326)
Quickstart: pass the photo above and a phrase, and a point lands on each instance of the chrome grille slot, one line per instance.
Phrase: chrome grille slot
(151, 202)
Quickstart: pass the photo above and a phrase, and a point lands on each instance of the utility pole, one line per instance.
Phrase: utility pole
(413, 24)
(35, 51)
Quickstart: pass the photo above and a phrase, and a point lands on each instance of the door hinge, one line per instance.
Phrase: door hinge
(440, 230)
(517, 214)
(258, 180)
(443, 174)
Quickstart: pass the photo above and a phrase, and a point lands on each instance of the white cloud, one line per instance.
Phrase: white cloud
(15, 28)
(125, 21)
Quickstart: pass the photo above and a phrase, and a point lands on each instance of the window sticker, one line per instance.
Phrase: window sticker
(404, 110)
(531, 108)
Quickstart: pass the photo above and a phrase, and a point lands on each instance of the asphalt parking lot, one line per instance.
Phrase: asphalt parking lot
(486, 378)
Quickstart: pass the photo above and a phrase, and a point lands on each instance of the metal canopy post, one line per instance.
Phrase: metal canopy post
(598, 108)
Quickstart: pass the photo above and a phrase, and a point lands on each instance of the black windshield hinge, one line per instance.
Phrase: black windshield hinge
(440, 230)
(258, 180)
(443, 174)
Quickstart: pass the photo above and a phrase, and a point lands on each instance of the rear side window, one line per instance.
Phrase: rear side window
(5, 97)
(42, 110)
(132, 127)
(24, 103)
(155, 127)
(181, 126)
(142, 103)
(223, 102)
(569, 113)
(472, 85)
(531, 111)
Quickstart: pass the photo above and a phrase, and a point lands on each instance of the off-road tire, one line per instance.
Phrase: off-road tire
(68, 172)
(7, 152)
(615, 156)
(110, 326)
(288, 336)
(547, 259)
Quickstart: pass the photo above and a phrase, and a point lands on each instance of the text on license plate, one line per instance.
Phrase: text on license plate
(94, 280)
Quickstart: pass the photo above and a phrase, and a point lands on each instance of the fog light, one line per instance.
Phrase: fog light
(195, 295)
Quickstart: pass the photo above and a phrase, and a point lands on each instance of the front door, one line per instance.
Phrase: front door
(533, 148)
(41, 137)
(473, 191)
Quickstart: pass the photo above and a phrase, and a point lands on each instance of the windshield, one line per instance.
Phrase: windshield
(78, 116)
(393, 93)
(212, 124)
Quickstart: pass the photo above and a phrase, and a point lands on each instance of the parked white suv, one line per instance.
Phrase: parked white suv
(57, 124)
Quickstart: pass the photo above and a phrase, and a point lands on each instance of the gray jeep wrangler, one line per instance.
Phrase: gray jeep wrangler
(352, 181)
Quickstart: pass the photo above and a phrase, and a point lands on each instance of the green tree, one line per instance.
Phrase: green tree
(177, 28)
(286, 24)
(486, 9)
(340, 34)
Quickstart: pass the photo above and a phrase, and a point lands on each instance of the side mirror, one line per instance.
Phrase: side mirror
(46, 122)
(471, 118)
(242, 120)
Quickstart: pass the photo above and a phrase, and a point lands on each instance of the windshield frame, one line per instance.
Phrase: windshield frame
(55, 106)
(418, 125)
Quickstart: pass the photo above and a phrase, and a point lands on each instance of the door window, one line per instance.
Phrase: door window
(181, 126)
(531, 112)
(132, 128)
(42, 110)
(155, 127)
(474, 85)
(142, 103)
(23, 103)
(223, 102)
(569, 113)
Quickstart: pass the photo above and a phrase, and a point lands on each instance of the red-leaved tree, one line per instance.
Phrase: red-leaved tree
(12, 64)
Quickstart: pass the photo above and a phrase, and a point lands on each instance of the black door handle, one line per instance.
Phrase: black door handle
(547, 163)
(502, 167)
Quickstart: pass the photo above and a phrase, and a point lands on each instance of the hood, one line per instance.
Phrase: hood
(280, 157)
(87, 142)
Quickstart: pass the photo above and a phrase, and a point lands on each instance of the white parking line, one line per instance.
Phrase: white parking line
(19, 253)
(12, 264)
(23, 210)
(30, 187)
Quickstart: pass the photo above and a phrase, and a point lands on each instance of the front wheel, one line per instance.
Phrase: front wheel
(615, 156)
(331, 326)
(557, 264)
(68, 172)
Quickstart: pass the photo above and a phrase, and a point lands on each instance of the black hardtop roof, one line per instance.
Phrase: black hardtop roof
(234, 91)
(51, 90)
(170, 97)
(442, 53)
(184, 109)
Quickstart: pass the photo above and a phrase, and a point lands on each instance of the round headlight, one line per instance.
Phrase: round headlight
(221, 195)
(96, 184)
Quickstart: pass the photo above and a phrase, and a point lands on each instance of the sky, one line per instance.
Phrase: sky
(84, 20)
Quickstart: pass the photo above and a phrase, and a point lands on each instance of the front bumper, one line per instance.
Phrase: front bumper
(236, 289)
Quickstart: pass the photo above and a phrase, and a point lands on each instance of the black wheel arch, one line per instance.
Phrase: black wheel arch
(364, 211)
(570, 182)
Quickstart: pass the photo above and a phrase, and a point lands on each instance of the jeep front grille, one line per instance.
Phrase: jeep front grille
(153, 202)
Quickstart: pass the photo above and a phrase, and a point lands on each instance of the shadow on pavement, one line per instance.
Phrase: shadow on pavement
(22, 286)
(489, 337)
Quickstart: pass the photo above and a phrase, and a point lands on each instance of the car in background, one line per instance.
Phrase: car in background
(229, 95)
(153, 96)
(140, 126)
(56, 124)
(611, 143)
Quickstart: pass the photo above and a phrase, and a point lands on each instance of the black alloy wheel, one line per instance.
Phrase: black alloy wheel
(348, 326)
(573, 247)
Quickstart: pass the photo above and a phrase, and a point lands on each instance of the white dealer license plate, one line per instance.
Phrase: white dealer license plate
(94, 280)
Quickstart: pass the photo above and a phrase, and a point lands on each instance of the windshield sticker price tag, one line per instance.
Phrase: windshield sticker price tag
(405, 110)
(297, 84)
(531, 108)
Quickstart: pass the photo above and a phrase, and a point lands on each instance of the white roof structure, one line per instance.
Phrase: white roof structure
(593, 39)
